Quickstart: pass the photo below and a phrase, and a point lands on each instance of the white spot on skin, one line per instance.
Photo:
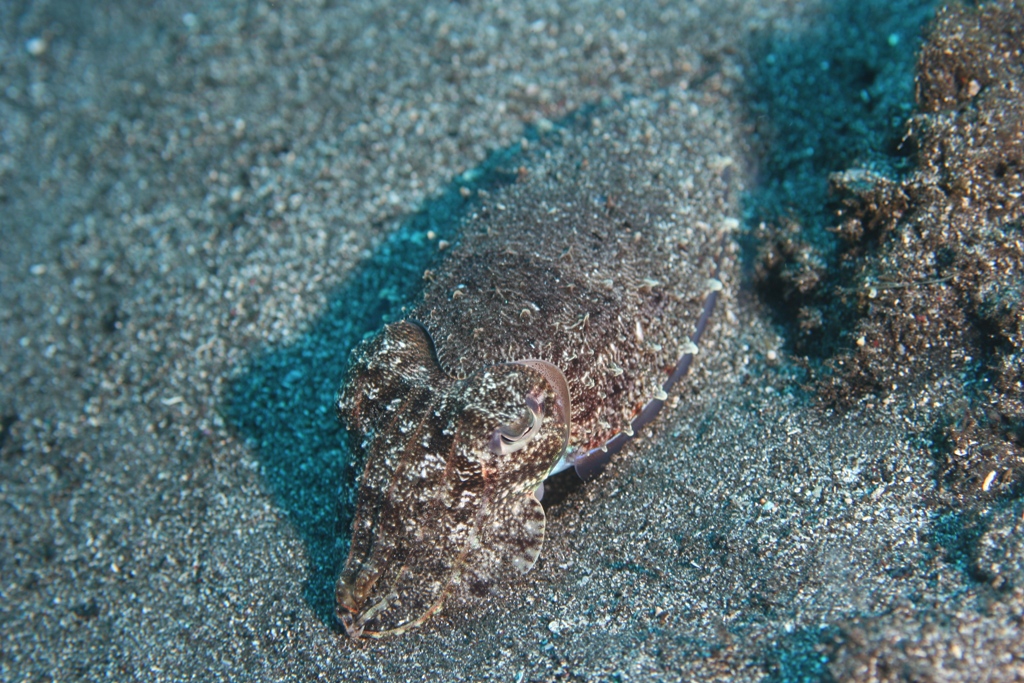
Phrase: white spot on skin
(731, 224)
(521, 564)
(719, 163)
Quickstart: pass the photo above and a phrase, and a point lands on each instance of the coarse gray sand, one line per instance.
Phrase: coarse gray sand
(205, 206)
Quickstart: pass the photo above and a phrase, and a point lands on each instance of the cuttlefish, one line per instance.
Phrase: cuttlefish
(558, 324)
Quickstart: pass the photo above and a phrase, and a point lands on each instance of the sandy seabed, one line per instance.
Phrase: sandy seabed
(205, 207)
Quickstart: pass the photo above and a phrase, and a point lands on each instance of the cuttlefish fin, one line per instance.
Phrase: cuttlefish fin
(511, 538)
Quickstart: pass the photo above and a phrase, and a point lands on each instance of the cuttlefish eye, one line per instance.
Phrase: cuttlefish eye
(511, 438)
(446, 501)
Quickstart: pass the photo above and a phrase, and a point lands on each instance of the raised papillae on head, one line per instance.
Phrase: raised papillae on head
(446, 499)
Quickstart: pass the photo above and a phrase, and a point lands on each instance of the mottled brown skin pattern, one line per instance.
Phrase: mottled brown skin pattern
(596, 262)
